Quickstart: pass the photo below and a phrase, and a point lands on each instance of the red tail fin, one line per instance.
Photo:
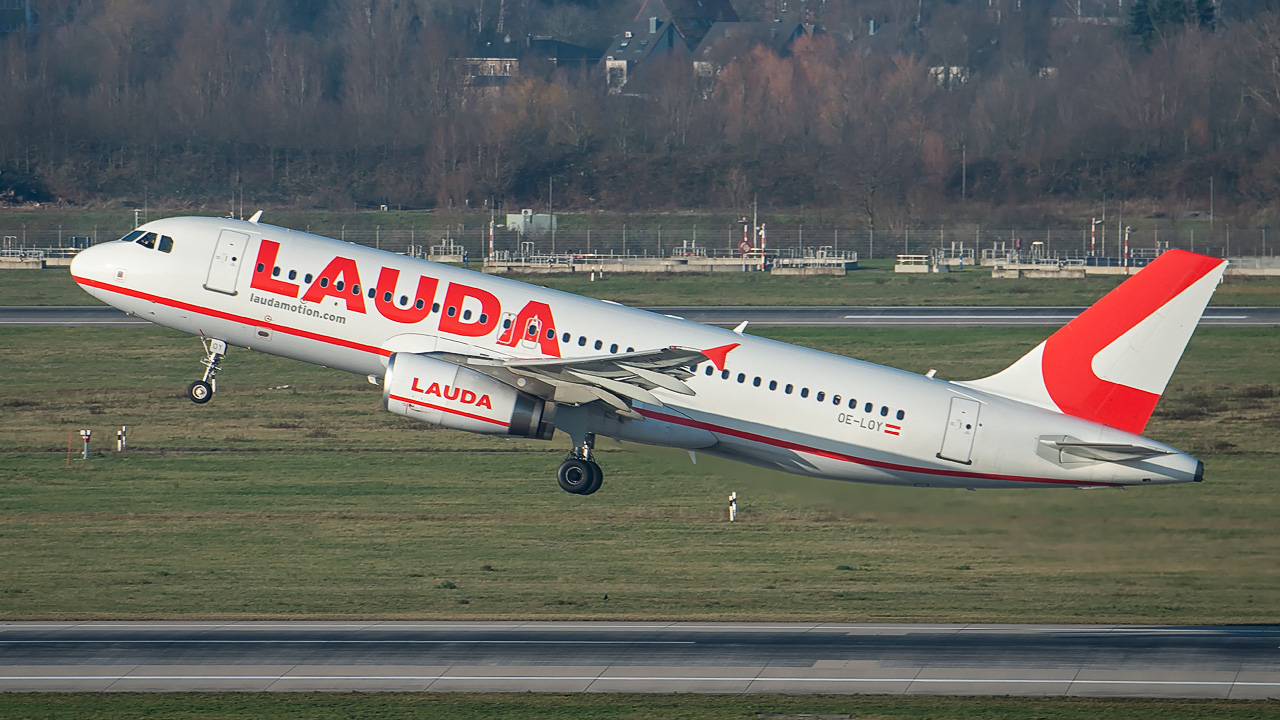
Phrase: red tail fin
(1111, 364)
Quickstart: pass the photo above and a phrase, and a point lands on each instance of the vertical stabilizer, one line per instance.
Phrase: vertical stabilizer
(1111, 364)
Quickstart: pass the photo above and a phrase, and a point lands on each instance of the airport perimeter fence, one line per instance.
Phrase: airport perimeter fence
(719, 240)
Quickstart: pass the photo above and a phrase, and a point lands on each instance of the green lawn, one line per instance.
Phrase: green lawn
(311, 501)
(877, 285)
(589, 706)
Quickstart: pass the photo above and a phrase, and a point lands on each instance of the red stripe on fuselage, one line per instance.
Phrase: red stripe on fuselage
(220, 315)
(411, 401)
(762, 439)
(832, 455)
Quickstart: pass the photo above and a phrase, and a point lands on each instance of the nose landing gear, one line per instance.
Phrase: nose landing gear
(579, 473)
(201, 391)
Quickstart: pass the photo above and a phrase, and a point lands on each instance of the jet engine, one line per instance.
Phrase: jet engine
(450, 395)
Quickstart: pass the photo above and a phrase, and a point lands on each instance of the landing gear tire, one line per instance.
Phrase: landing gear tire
(597, 478)
(200, 392)
(576, 476)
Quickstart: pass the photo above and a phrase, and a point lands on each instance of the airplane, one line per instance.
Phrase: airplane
(491, 355)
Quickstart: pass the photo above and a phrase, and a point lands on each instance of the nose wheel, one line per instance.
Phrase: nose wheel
(579, 473)
(201, 391)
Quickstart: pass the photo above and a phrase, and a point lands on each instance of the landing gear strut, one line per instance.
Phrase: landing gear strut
(201, 391)
(579, 473)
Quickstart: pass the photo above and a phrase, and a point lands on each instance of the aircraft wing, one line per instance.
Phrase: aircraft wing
(612, 379)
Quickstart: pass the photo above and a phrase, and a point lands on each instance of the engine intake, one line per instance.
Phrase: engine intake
(447, 394)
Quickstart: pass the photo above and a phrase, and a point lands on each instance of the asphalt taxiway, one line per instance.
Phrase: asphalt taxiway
(1111, 660)
(846, 316)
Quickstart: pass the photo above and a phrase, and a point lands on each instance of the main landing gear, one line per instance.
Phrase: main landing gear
(579, 473)
(201, 391)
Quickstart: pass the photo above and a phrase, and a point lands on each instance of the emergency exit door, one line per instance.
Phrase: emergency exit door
(224, 267)
(962, 425)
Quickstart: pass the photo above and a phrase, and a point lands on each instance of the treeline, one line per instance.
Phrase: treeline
(336, 104)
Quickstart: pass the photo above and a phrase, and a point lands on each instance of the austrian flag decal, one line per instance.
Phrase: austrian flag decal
(892, 429)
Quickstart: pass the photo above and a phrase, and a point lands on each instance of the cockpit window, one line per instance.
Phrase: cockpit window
(132, 236)
(166, 244)
(148, 240)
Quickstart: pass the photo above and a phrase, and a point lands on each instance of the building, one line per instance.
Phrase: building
(17, 15)
(662, 28)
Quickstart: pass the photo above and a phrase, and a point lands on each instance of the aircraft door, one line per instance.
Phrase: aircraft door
(962, 425)
(531, 333)
(228, 256)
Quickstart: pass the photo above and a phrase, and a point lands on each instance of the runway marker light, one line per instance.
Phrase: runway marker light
(85, 435)
(733, 506)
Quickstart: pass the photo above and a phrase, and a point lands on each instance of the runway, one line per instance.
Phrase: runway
(941, 316)
(1131, 661)
(847, 316)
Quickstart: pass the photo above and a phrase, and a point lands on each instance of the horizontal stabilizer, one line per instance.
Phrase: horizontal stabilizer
(1101, 452)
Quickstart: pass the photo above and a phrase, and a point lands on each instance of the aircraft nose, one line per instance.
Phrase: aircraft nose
(88, 263)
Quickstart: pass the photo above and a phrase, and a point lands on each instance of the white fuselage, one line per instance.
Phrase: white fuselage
(774, 404)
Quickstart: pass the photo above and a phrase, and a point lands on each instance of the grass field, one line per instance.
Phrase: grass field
(587, 706)
(877, 285)
(311, 501)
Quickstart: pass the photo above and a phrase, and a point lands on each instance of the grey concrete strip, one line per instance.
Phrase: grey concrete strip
(1102, 660)
(777, 315)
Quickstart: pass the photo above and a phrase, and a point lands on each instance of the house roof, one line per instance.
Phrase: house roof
(727, 38)
(692, 19)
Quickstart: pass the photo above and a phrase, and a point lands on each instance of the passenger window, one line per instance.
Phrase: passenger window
(599, 344)
(773, 384)
(466, 314)
(565, 338)
(710, 370)
(631, 349)
(787, 389)
(275, 271)
(613, 348)
(884, 411)
(853, 404)
(371, 291)
(355, 289)
(804, 392)
(835, 399)
(307, 279)
(435, 307)
(551, 333)
(582, 340)
(166, 244)
(293, 275)
(419, 304)
(724, 374)
(741, 378)
(452, 311)
(324, 282)
(531, 331)
(901, 415)
(820, 396)
(867, 407)
(756, 381)
(339, 285)
(484, 318)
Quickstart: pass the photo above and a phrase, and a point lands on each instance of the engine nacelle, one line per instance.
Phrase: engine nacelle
(450, 395)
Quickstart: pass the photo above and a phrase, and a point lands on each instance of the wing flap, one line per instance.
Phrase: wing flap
(607, 378)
